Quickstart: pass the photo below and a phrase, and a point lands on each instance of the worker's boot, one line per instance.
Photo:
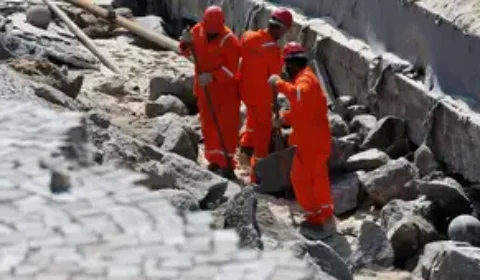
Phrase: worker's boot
(213, 167)
(318, 231)
(245, 154)
(227, 173)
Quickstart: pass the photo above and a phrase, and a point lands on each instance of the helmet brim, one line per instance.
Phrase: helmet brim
(277, 23)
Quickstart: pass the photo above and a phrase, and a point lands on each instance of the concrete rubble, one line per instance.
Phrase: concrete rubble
(103, 177)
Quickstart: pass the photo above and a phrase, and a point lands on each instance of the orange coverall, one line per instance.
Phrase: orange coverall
(260, 57)
(220, 58)
(311, 135)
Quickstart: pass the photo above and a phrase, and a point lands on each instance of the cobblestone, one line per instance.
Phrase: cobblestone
(106, 227)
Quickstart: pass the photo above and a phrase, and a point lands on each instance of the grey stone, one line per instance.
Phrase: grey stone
(100, 119)
(323, 256)
(445, 260)
(240, 214)
(342, 103)
(179, 85)
(465, 228)
(425, 160)
(153, 23)
(165, 104)
(342, 149)
(345, 190)
(39, 16)
(398, 209)
(390, 181)
(356, 110)
(448, 197)
(371, 249)
(274, 172)
(114, 86)
(338, 127)
(388, 135)
(363, 124)
(180, 199)
(367, 160)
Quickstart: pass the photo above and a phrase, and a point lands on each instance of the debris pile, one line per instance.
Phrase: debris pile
(103, 176)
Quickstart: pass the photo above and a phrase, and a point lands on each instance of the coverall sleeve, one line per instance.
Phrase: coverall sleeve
(294, 93)
(286, 119)
(275, 65)
(231, 54)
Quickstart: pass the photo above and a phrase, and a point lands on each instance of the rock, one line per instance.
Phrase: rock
(39, 16)
(338, 127)
(345, 192)
(52, 95)
(165, 104)
(446, 260)
(398, 209)
(150, 22)
(465, 228)
(114, 86)
(363, 124)
(240, 214)
(342, 103)
(179, 85)
(45, 72)
(270, 169)
(100, 119)
(180, 199)
(448, 198)
(367, 160)
(371, 249)
(424, 159)
(342, 149)
(356, 110)
(389, 181)
(323, 256)
(388, 135)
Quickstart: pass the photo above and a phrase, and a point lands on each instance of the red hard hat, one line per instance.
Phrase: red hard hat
(294, 49)
(283, 16)
(213, 19)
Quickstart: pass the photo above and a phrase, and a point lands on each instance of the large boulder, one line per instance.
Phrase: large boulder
(165, 104)
(180, 199)
(363, 124)
(356, 110)
(448, 197)
(408, 227)
(338, 127)
(465, 228)
(323, 256)
(389, 135)
(240, 214)
(274, 172)
(424, 159)
(345, 190)
(371, 248)
(179, 85)
(390, 181)
(342, 103)
(447, 260)
(367, 160)
(342, 149)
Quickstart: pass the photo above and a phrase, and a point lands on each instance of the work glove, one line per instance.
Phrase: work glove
(204, 79)
(273, 80)
(186, 37)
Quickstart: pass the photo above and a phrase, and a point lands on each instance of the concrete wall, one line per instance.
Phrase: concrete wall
(456, 129)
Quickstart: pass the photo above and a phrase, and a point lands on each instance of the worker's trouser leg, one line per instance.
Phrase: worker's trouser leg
(226, 107)
(262, 126)
(311, 184)
(247, 138)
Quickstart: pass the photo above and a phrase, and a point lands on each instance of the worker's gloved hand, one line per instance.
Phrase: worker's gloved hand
(204, 79)
(186, 37)
(273, 80)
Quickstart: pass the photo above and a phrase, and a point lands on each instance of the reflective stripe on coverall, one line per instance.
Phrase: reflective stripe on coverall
(311, 135)
(260, 58)
(219, 57)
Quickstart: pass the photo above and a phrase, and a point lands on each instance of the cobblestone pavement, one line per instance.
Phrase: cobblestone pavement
(105, 227)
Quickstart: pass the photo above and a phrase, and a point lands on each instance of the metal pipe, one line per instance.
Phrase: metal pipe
(81, 36)
(154, 37)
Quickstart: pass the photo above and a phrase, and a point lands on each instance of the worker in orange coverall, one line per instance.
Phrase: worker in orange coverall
(260, 57)
(311, 134)
(217, 52)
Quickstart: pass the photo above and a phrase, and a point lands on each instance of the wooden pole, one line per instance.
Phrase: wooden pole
(152, 36)
(82, 36)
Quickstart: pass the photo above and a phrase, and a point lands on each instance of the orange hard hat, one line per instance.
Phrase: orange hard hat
(282, 16)
(294, 50)
(213, 19)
